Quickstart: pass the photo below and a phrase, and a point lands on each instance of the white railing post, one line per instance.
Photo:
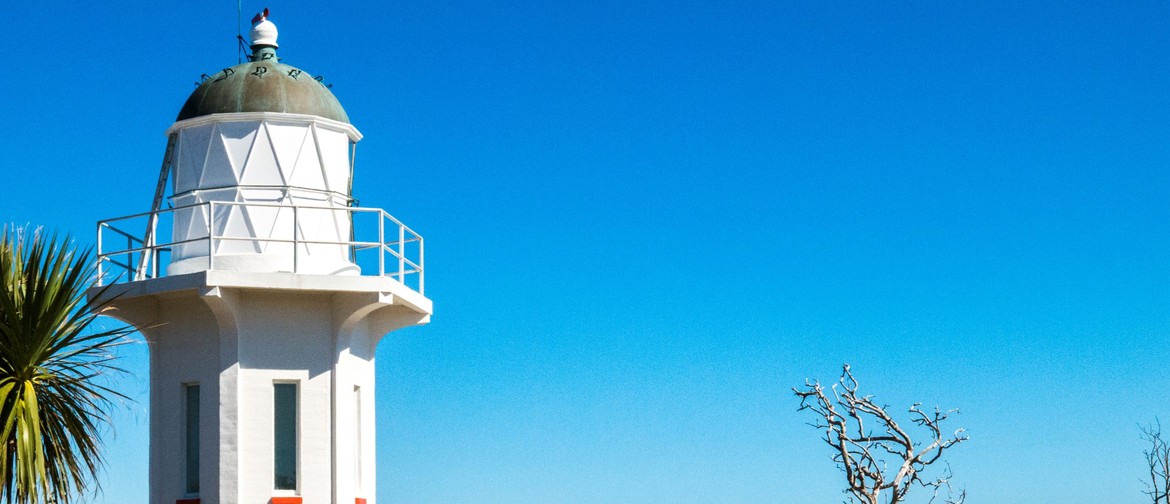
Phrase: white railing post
(401, 253)
(381, 243)
(296, 246)
(100, 269)
(210, 236)
(148, 245)
(134, 273)
(154, 254)
(421, 268)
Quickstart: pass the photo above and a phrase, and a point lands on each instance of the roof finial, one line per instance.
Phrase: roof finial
(263, 31)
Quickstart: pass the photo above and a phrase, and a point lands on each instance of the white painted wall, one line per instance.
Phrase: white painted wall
(285, 337)
(236, 341)
(182, 351)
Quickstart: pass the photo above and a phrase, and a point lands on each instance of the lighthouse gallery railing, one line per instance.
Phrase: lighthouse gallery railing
(378, 242)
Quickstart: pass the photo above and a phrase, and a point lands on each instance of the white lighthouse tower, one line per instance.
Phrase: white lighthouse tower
(262, 292)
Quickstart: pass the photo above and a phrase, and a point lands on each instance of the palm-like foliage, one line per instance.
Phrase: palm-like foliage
(52, 402)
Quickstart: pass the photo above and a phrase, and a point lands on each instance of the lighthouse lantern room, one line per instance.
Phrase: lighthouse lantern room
(262, 291)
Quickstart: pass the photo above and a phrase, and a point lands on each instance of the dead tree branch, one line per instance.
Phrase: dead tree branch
(877, 455)
(1158, 460)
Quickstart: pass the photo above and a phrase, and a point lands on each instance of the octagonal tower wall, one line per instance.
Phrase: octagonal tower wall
(270, 189)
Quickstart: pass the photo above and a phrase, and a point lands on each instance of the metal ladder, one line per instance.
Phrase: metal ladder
(152, 220)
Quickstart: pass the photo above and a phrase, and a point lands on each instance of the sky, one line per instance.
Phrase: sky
(646, 222)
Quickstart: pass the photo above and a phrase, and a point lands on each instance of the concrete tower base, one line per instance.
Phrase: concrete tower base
(235, 336)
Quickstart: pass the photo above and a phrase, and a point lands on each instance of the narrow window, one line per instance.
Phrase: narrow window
(357, 437)
(191, 429)
(285, 428)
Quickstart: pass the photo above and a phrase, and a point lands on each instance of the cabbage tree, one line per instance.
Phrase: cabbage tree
(54, 370)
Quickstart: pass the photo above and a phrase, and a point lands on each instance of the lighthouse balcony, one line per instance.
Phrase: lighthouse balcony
(258, 237)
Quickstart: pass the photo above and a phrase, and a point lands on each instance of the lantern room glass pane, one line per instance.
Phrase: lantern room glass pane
(285, 429)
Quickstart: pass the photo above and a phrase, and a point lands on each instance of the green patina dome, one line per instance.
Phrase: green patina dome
(263, 85)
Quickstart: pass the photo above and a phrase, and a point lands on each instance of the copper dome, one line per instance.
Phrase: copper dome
(263, 85)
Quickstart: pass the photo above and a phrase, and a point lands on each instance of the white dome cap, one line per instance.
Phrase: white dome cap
(263, 32)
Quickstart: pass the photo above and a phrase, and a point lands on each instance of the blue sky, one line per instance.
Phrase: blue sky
(646, 221)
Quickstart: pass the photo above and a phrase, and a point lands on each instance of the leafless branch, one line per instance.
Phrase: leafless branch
(885, 461)
(1158, 461)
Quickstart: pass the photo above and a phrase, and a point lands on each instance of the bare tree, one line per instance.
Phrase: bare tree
(877, 455)
(1158, 459)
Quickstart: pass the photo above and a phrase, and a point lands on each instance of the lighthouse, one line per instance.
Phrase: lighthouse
(262, 291)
